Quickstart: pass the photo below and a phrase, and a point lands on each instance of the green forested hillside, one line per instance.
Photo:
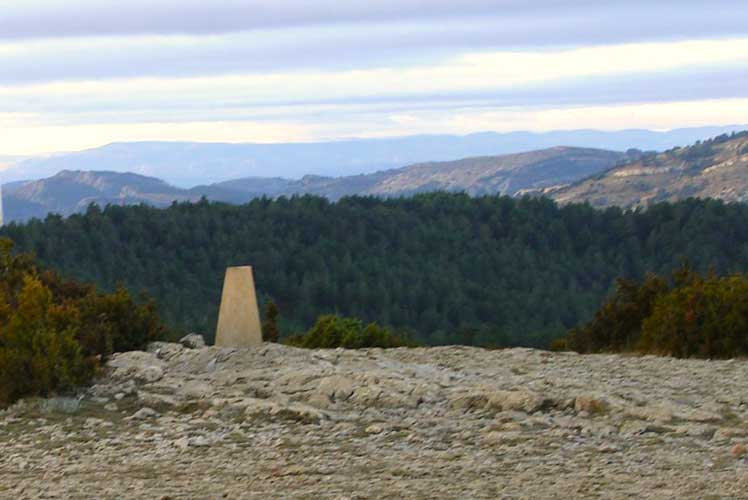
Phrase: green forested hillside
(452, 269)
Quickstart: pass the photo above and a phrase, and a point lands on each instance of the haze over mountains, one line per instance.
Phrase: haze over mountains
(714, 168)
(71, 191)
(187, 164)
(9, 161)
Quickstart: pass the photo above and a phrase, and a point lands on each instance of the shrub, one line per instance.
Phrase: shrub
(706, 318)
(114, 322)
(37, 353)
(616, 326)
(689, 315)
(54, 333)
(334, 331)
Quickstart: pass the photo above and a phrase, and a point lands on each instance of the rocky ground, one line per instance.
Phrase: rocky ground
(278, 422)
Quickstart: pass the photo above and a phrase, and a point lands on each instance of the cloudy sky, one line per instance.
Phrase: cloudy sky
(82, 73)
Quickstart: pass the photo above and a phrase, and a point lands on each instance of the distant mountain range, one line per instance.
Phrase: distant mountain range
(71, 191)
(507, 174)
(189, 164)
(9, 161)
(716, 168)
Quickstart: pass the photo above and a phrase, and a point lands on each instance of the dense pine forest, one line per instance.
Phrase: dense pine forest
(439, 268)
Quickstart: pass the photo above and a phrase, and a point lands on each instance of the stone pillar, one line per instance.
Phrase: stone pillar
(239, 317)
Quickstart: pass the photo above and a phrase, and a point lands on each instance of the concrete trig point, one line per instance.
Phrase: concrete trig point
(239, 318)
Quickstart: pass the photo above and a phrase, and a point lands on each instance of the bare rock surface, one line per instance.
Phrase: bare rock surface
(453, 422)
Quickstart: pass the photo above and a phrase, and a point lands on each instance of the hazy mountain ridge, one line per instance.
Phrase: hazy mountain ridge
(188, 164)
(8, 161)
(71, 191)
(509, 174)
(717, 168)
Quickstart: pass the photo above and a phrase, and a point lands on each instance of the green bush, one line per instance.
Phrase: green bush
(689, 315)
(37, 353)
(54, 333)
(334, 331)
(616, 326)
(705, 318)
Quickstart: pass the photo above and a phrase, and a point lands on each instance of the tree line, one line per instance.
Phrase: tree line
(437, 268)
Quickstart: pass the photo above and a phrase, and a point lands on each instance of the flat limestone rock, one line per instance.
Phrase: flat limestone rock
(239, 317)
(442, 422)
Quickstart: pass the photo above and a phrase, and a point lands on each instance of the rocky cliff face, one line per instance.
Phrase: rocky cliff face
(453, 422)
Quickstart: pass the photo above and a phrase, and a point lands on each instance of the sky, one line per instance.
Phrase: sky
(76, 74)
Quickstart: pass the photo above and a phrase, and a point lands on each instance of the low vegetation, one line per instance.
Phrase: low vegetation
(687, 315)
(332, 331)
(54, 334)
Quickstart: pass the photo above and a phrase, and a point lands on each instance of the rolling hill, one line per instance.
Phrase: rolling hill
(717, 168)
(72, 191)
(69, 192)
(507, 174)
(187, 164)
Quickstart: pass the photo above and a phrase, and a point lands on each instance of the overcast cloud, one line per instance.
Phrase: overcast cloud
(312, 69)
(71, 18)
